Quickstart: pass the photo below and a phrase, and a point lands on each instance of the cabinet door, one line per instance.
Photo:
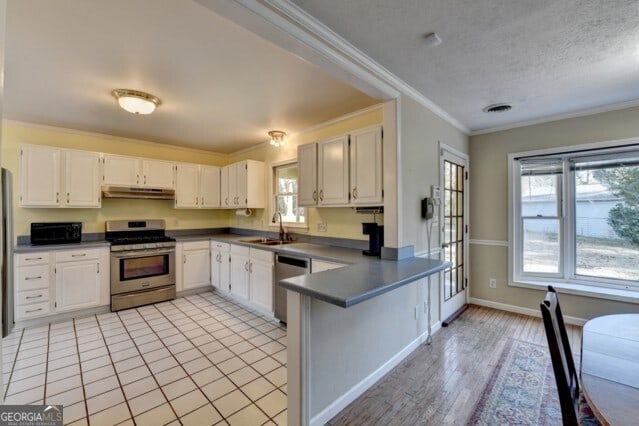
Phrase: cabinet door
(82, 179)
(366, 166)
(240, 275)
(157, 174)
(333, 172)
(234, 200)
(220, 270)
(209, 186)
(121, 170)
(196, 268)
(307, 177)
(77, 285)
(40, 177)
(262, 285)
(225, 196)
(186, 188)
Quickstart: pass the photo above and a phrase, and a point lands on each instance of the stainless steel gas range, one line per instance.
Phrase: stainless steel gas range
(142, 263)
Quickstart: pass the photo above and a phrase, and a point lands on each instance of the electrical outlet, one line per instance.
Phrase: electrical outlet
(321, 227)
(492, 283)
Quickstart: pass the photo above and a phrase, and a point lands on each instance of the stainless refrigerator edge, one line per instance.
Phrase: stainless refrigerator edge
(7, 253)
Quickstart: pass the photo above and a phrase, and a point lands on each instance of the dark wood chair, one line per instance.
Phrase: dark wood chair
(574, 409)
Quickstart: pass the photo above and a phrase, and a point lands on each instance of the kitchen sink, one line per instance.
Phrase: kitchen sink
(267, 241)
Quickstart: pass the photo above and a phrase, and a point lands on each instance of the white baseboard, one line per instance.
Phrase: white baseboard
(356, 391)
(520, 310)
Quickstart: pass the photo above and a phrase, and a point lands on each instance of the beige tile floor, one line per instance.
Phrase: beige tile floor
(197, 360)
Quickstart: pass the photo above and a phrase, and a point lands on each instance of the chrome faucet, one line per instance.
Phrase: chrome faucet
(282, 231)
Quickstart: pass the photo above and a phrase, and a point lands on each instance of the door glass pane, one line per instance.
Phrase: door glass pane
(541, 245)
(453, 239)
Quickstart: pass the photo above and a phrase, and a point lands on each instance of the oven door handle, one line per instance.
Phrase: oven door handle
(141, 253)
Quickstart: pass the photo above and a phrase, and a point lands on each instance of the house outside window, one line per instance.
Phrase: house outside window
(285, 179)
(575, 217)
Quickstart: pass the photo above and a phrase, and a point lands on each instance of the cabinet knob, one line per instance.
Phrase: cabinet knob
(32, 311)
(145, 179)
(354, 193)
(67, 198)
(321, 195)
(137, 179)
(246, 266)
(33, 297)
(315, 195)
(57, 197)
(79, 255)
(39, 277)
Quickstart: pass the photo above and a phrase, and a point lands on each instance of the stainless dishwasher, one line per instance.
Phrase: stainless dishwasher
(286, 266)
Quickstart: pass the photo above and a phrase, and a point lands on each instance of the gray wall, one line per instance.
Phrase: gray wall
(489, 203)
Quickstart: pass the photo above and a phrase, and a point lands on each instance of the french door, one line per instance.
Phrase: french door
(454, 231)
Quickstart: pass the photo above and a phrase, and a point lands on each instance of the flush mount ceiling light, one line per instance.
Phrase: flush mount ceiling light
(497, 108)
(277, 137)
(136, 102)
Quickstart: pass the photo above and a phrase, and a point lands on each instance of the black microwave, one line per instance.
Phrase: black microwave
(56, 233)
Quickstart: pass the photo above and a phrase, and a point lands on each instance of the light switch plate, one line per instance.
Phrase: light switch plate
(321, 227)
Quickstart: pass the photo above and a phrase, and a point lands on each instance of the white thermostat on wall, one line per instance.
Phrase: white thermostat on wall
(436, 193)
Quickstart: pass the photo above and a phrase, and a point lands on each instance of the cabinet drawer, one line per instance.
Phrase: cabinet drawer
(72, 255)
(32, 277)
(32, 311)
(240, 250)
(36, 258)
(263, 255)
(32, 297)
(220, 246)
(196, 245)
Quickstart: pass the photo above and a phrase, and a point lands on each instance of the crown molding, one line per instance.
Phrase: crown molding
(307, 36)
(578, 114)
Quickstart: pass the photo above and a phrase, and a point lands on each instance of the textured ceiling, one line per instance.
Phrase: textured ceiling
(545, 57)
(222, 87)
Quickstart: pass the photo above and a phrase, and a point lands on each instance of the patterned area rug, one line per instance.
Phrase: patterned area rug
(521, 390)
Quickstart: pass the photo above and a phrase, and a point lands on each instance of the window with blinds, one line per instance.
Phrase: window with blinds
(575, 217)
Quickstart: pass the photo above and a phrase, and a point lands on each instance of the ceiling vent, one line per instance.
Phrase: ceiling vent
(497, 108)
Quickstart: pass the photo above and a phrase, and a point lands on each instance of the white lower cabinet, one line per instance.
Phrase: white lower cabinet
(196, 264)
(220, 265)
(51, 282)
(240, 271)
(252, 276)
(32, 285)
(261, 279)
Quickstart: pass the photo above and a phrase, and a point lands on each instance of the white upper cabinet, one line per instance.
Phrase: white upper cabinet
(242, 185)
(197, 186)
(209, 186)
(187, 177)
(54, 177)
(39, 176)
(120, 170)
(366, 166)
(157, 174)
(333, 185)
(307, 178)
(342, 171)
(82, 179)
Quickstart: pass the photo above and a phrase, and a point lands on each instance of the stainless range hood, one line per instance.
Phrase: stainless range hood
(131, 192)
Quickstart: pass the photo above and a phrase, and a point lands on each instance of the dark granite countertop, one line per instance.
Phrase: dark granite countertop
(354, 284)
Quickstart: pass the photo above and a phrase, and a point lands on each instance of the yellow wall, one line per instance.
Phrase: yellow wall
(489, 204)
(16, 134)
(341, 222)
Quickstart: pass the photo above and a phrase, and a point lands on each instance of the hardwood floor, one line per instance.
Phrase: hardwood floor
(441, 383)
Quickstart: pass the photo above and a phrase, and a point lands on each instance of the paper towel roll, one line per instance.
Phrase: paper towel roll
(243, 212)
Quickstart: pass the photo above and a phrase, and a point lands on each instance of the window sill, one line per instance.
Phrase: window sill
(297, 226)
(607, 293)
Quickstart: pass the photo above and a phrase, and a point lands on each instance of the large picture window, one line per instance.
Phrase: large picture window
(285, 194)
(575, 217)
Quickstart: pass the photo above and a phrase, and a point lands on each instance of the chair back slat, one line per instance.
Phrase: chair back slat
(561, 356)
